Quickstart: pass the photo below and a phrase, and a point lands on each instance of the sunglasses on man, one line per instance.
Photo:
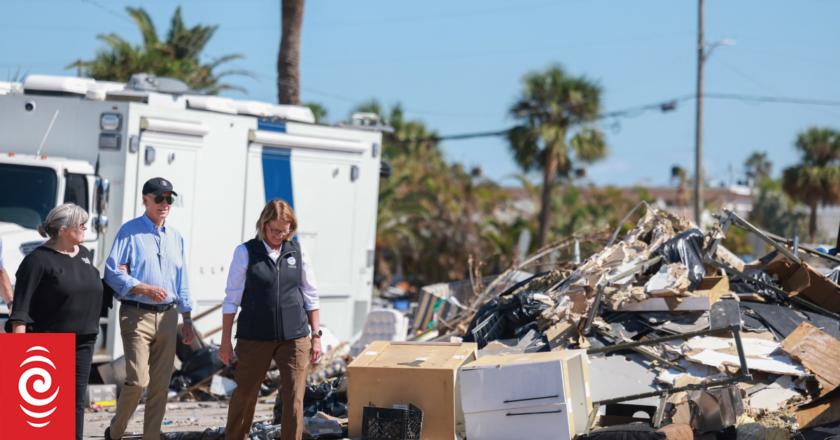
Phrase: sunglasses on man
(159, 199)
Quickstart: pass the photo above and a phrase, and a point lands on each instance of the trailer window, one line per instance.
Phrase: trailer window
(77, 190)
(28, 194)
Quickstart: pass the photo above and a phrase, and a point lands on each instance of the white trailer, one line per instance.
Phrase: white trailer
(225, 158)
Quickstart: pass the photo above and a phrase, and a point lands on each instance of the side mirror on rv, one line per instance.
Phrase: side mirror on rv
(103, 188)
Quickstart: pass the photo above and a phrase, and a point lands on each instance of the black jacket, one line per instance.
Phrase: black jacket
(56, 293)
(272, 303)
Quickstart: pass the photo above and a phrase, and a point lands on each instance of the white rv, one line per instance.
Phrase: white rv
(96, 143)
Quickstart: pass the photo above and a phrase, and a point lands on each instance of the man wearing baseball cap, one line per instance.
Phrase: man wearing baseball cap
(147, 270)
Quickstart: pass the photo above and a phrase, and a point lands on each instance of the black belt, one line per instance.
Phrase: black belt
(152, 307)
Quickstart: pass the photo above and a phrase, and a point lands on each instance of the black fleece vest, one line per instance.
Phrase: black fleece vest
(272, 303)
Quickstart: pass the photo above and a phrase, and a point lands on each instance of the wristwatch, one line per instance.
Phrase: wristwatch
(317, 334)
(10, 304)
(188, 320)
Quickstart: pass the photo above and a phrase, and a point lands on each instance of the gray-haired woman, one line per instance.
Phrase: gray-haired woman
(58, 290)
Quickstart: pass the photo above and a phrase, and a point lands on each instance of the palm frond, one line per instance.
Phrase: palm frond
(145, 25)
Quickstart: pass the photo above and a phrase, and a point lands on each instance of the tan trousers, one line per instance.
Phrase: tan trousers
(292, 358)
(149, 343)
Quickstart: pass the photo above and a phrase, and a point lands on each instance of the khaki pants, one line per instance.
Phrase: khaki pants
(149, 343)
(292, 358)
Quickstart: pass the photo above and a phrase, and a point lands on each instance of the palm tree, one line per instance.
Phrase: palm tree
(177, 57)
(758, 168)
(816, 180)
(556, 114)
(319, 111)
(432, 214)
(288, 60)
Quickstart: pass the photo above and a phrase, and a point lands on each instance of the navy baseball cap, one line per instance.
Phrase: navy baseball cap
(157, 186)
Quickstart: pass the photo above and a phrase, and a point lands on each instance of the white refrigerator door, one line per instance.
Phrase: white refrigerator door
(548, 422)
(512, 386)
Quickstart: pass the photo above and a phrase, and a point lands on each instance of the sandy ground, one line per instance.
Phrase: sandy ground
(185, 416)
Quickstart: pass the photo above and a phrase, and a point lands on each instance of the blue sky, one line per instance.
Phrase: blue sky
(457, 66)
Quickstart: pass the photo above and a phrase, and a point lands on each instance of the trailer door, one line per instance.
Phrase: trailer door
(169, 150)
(316, 176)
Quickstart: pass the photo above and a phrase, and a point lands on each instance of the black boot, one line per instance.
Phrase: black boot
(108, 434)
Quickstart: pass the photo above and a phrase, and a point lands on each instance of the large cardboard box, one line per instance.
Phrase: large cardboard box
(399, 373)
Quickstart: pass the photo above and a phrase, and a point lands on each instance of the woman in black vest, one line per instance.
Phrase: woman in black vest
(272, 280)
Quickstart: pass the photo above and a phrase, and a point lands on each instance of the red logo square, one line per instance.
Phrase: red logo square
(38, 386)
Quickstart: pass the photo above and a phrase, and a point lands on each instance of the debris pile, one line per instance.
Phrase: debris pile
(679, 328)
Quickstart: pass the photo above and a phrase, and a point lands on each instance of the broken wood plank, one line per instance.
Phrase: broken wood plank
(207, 312)
(708, 292)
(560, 335)
(818, 415)
(727, 256)
(817, 351)
(217, 329)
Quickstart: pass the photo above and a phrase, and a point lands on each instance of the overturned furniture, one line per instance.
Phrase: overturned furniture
(536, 396)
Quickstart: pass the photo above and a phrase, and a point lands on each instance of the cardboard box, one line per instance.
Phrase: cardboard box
(709, 291)
(399, 373)
(530, 395)
(805, 281)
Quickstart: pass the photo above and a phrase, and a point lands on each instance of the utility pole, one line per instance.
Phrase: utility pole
(698, 173)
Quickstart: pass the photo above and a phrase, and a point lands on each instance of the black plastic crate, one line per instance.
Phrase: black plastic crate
(488, 330)
(391, 423)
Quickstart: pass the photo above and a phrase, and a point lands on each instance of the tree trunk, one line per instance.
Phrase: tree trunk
(549, 171)
(383, 269)
(812, 222)
(288, 60)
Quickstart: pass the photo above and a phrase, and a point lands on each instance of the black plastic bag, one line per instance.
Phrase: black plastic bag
(320, 392)
(179, 382)
(523, 308)
(317, 398)
(490, 307)
(740, 285)
(686, 248)
(203, 364)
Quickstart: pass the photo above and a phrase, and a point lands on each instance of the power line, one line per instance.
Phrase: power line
(632, 112)
(768, 88)
(628, 112)
(772, 99)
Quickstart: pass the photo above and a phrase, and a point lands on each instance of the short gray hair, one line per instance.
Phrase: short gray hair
(69, 215)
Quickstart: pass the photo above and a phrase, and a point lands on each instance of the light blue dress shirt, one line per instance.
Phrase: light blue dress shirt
(155, 256)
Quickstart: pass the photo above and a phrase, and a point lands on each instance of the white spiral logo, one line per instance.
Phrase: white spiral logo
(41, 385)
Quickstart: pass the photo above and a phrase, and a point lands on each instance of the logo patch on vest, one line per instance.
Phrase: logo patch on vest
(291, 261)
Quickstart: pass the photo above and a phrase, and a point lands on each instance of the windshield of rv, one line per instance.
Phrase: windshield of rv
(28, 194)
